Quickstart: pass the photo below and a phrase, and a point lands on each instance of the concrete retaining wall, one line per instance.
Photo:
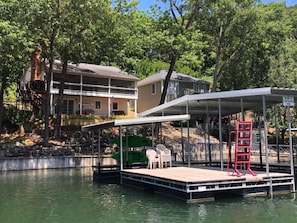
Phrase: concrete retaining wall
(46, 163)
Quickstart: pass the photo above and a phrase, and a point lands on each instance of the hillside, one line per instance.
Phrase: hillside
(74, 142)
(172, 135)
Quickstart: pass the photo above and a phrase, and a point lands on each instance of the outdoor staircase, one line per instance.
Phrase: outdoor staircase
(37, 103)
(34, 97)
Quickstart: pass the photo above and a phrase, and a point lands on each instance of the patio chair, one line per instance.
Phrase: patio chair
(153, 158)
(165, 155)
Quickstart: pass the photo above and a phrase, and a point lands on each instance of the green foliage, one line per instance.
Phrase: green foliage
(11, 93)
(145, 67)
(18, 117)
(229, 40)
(283, 69)
(13, 47)
(227, 27)
(235, 44)
(261, 37)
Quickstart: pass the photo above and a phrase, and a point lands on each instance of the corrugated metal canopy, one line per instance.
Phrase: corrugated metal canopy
(231, 102)
(102, 125)
(197, 105)
(135, 121)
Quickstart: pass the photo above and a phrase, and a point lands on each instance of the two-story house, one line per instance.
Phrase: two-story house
(150, 88)
(89, 88)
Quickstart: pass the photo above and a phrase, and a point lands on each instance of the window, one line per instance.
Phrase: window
(98, 105)
(68, 107)
(115, 106)
(197, 88)
(154, 88)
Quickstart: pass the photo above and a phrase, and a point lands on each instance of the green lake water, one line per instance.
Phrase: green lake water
(61, 196)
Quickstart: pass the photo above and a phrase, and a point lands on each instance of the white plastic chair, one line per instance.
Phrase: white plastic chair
(165, 155)
(153, 158)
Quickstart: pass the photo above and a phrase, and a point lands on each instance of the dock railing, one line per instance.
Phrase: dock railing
(202, 152)
(277, 153)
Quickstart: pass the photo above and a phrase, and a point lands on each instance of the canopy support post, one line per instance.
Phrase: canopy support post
(220, 135)
(121, 148)
(291, 148)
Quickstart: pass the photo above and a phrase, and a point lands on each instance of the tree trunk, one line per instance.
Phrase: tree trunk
(21, 130)
(167, 79)
(60, 101)
(164, 91)
(47, 105)
(1, 106)
(48, 79)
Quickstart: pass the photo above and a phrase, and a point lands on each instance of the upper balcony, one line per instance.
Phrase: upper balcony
(95, 86)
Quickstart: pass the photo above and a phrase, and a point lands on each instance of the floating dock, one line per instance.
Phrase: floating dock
(204, 184)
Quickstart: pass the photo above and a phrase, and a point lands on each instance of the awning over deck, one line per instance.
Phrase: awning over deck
(135, 121)
(130, 122)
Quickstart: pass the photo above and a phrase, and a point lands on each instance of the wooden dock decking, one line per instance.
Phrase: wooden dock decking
(203, 184)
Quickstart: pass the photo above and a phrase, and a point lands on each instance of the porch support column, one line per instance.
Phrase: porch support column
(135, 107)
(80, 95)
(153, 135)
(108, 106)
(108, 100)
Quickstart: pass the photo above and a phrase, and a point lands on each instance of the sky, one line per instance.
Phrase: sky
(288, 2)
(145, 4)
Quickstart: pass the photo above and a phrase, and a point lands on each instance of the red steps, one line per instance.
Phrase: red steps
(242, 150)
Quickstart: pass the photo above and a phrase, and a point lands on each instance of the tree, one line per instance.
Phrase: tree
(13, 48)
(176, 38)
(78, 26)
(41, 20)
(63, 28)
(227, 26)
(283, 66)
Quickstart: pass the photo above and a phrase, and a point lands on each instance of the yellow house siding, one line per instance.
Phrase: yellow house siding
(147, 99)
(89, 103)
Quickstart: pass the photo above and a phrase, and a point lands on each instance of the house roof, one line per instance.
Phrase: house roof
(230, 102)
(175, 76)
(96, 70)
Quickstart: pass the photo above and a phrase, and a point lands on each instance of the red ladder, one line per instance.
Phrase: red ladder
(242, 150)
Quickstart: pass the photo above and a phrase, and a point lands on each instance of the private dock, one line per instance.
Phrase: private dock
(204, 184)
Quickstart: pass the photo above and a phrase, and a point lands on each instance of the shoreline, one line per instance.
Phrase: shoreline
(39, 163)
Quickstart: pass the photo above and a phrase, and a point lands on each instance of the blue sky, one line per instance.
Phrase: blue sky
(145, 4)
(288, 2)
